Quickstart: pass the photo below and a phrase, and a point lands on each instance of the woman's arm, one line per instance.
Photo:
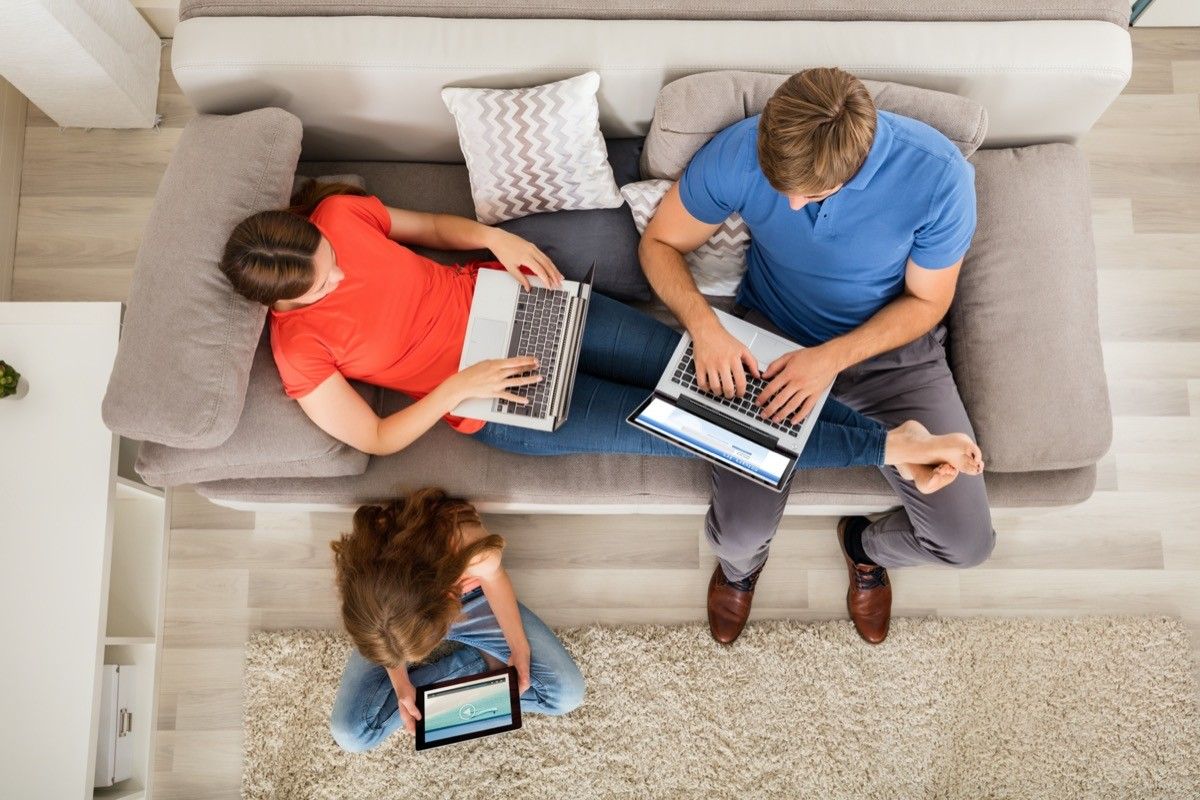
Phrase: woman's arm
(342, 413)
(406, 697)
(498, 589)
(450, 232)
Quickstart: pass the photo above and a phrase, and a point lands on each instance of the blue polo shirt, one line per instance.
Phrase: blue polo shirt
(827, 268)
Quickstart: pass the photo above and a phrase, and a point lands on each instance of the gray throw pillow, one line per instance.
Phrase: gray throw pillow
(273, 439)
(188, 338)
(693, 109)
(1024, 339)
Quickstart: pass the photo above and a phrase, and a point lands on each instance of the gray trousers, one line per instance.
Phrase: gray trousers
(952, 526)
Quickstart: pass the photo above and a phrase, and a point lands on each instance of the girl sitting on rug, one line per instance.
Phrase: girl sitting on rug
(417, 572)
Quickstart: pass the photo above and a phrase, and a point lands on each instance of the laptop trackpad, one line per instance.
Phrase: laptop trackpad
(489, 338)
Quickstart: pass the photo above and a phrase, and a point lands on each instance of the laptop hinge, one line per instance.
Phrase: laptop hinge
(691, 406)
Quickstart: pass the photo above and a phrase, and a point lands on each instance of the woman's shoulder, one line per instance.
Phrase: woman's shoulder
(352, 208)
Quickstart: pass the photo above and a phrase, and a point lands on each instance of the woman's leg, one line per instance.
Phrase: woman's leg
(841, 437)
(365, 711)
(623, 345)
(556, 684)
(595, 424)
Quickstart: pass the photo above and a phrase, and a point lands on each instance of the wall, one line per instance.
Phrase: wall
(12, 147)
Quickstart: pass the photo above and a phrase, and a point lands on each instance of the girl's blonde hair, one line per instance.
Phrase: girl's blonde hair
(398, 573)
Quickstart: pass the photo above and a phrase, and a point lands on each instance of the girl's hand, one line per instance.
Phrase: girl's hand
(520, 659)
(495, 377)
(514, 252)
(406, 699)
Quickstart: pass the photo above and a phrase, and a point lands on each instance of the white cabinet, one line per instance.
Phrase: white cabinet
(82, 558)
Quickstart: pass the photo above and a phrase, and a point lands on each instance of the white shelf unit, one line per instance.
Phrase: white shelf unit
(83, 553)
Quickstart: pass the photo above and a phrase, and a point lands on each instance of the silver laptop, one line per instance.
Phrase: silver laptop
(728, 432)
(507, 321)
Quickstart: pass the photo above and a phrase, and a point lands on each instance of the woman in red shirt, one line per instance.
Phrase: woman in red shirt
(348, 301)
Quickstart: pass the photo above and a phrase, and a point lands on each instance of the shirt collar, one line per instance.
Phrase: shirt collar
(881, 145)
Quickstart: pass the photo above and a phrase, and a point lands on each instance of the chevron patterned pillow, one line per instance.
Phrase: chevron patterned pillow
(530, 151)
(718, 264)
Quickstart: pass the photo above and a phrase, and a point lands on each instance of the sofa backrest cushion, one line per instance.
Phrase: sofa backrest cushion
(692, 110)
(273, 439)
(1024, 338)
(1115, 11)
(188, 338)
(1039, 80)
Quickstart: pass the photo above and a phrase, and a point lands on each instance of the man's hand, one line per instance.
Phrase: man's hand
(796, 382)
(519, 658)
(720, 359)
(406, 698)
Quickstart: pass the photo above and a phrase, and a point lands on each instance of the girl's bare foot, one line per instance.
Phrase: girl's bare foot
(912, 443)
(926, 478)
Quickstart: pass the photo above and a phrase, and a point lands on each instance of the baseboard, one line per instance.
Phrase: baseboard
(12, 151)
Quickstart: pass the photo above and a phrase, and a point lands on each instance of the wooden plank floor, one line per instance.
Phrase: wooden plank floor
(1133, 548)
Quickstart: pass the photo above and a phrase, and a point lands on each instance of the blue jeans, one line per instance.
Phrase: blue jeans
(624, 354)
(365, 711)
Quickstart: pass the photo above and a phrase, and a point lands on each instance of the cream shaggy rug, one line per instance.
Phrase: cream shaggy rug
(946, 708)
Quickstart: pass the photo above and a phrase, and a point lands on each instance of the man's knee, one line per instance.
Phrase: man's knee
(963, 542)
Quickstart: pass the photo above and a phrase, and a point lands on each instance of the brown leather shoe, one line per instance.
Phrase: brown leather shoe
(869, 598)
(728, 606)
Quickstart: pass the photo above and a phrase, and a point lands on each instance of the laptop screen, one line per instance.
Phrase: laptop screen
(694, 433)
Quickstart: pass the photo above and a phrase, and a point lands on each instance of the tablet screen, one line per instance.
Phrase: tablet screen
(464, 709)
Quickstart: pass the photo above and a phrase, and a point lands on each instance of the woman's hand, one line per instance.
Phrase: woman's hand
(519, 658)
(406, 698)
(514, 252)
(495, 377)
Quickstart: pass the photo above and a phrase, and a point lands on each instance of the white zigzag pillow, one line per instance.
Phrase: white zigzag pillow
(718, 264)
(530, 151)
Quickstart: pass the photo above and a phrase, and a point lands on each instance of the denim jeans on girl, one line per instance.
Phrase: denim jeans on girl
(623, 355)
(365, 711)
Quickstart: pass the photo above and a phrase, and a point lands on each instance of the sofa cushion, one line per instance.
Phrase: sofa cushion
(529, 151)
(188, 338)
(302, 181)
(1114, 11)
(693, 109)
(468, 468)
(572, 239)
(273, 439)
(1024, 338)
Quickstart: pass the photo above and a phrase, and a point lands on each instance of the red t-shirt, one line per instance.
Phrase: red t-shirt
(397, 319)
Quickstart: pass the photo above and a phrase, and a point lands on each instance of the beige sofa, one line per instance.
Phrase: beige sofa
(362, 81)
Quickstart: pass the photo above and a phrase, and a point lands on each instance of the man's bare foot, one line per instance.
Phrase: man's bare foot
(928, 479)
(911, 443)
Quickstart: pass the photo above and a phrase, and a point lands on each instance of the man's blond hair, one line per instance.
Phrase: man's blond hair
(815, 131)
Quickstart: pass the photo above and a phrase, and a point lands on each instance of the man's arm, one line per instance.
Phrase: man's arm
(672, 232)
(798, 378)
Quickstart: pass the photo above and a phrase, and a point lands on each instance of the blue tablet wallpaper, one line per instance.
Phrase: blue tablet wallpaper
(467, 708)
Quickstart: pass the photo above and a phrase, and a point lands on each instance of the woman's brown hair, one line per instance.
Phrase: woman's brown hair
(815, 131)
(269, 255)
(398, 573)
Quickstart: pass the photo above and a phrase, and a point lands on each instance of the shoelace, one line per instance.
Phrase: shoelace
(872, 578)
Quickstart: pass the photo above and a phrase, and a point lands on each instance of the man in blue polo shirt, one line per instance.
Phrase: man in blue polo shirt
(859, 220)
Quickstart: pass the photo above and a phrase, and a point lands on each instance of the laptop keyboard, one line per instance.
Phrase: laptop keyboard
(685, 375)
(537, 327)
